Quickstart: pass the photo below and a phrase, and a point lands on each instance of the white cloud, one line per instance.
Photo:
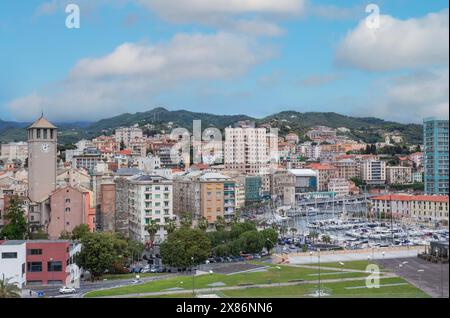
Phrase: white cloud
(203, 10)
(397, 44)
(135, 73)
(410, 98)
(319, 79)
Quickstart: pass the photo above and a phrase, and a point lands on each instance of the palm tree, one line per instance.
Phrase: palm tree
(170, 226)
(313, 235)
(326, 239)
(186, 220)
(293, 231)
(8, 290)
(152, 228)
(220, 223)
(203, 223)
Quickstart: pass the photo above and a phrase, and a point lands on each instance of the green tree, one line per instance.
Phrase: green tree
(65, 235)
(239, 228)
(39, 235)
(101, 252)
(186, 220)
(185, 247)
(326, 239)
(270, 238)
(220, 223)
(122, 145)
(8, 290)
(170, 226)
(293, 231)
(313, 235)
(16, 227)
(80, 231)
(203, 223)
(252, 242)
(152, 228)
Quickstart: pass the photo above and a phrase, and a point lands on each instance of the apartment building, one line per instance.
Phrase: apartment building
(436, 156)
(13, 262)
(398, 175)
(347, 168)
(246, 150)
(14, 151)
(325, 172)
(205, 194)
(340, 186)
(420, 207)
(373, 171)
(150, 198)
(127, 135)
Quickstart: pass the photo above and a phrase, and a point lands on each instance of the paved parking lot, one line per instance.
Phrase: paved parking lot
(432, 278)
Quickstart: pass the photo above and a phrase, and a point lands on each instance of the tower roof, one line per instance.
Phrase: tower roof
(42, 123)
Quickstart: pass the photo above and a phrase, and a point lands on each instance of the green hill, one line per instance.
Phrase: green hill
(367, 129)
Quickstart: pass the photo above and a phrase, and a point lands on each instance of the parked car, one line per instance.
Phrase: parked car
(67, 290)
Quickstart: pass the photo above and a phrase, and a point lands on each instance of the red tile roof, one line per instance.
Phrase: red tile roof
(400, 197)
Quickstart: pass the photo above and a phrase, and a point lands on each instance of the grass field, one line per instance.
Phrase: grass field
(130, 276)
(335, 290)
(271, 276)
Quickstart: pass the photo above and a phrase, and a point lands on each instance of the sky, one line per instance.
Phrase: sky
(254, 57)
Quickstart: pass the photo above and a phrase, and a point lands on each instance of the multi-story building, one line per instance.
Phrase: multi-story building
(127, 135)
(88, 160)
(420, 207)
(253, 189)
(340, 186)
(14, 151)
(322, 133)
(150, 198)
(283, 187)
(306, 180)
(205, 194)
(52, 262)
(417, 177)
(347, 168)
(325, 172)
(69, 208)
(436, 156)
(373, 171)
(309, 150)
(246, 150)
(13, 262)
(398, 175)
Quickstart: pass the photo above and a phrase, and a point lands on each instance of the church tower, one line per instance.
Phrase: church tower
(42, 159)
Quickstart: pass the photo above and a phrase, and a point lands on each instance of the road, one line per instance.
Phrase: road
(85, 287)
(431, 278)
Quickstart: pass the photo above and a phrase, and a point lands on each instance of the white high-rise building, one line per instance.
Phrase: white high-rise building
(14, 151)
(246, 150)
(128, 135)
(373, 171)
(150, 197)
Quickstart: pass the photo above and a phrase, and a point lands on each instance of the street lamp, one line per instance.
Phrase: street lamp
(442, 272)
(211, 273)
(310, 256)
(193, 277)
(279, 275)
(420, 271)
(318, 260)
(342, 264)
(51, 268)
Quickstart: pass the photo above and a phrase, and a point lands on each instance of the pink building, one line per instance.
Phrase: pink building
(70, 207)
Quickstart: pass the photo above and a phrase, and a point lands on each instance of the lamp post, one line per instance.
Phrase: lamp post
(51, 268)
(318, 260)
(342, 264)
(420, 271)
(193, 277)
(310, 256)
(442, 272)
(279, 275)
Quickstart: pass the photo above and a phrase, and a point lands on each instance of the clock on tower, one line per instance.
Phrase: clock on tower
(42, 142)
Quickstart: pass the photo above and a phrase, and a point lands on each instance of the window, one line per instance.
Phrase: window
(9, 255)
(34, 267)
(45, 133)
(67, 200)
(55, 266)
(34, 251)
(67, 209)
(38, 133)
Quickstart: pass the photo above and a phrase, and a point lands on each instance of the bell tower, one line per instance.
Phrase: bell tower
(42, 157)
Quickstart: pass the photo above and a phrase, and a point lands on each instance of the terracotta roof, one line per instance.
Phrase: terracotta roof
(126, 152)
(42, 123)
(399, 197)
(320, 166)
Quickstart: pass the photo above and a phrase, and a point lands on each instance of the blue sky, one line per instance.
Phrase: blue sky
(255, 57)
